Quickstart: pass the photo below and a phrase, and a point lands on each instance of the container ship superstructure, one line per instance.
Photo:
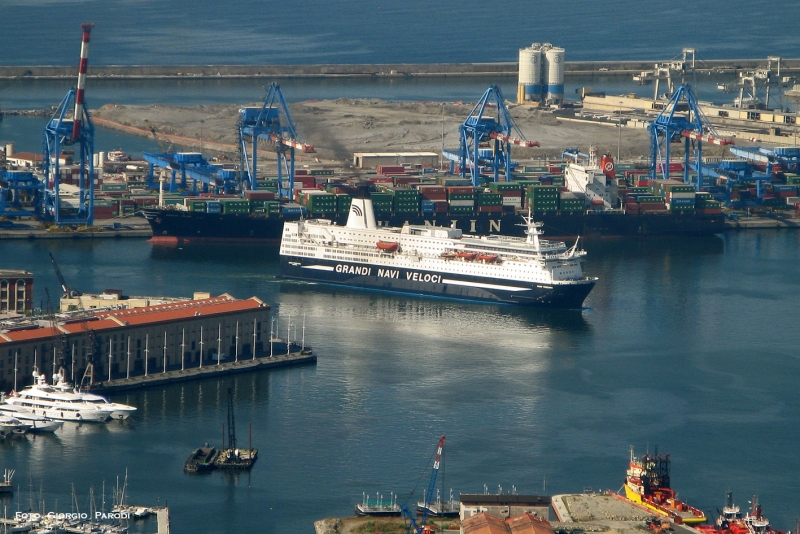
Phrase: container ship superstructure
(647, 483)
(435, 261)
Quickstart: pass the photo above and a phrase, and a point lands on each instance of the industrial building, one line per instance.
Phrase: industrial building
(504, 506)
(370, 160)
(16, 292)
(541, 75)
(122, 342)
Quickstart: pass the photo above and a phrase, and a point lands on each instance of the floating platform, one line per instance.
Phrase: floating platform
(201, 460)
(236, 459)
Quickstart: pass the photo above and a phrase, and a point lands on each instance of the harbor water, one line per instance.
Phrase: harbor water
(686, 344)
(248, 32)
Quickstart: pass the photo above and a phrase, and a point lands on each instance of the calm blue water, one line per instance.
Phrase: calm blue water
(686, 344)
(148, 32)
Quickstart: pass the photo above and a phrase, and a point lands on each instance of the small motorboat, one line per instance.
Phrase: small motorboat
(388, 246)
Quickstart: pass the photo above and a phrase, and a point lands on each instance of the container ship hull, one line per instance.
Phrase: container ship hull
(174, 226)
(443, 285)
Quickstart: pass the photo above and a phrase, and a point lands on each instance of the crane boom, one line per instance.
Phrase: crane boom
(707, 138)
(305, 147)
(68, 293)
(421, 528)
(513, 140)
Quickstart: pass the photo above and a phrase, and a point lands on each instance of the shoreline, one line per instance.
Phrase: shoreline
(390, 70)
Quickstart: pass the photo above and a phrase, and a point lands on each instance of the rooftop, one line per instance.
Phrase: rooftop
(108, 320)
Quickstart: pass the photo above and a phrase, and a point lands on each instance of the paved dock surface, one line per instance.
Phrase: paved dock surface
(102, 229)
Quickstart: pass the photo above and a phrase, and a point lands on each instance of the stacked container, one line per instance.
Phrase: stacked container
(511, 193)
(490, 202)
(542, 198)
(404, 200)
(569, 202)
(382, 203)
(319, 202)
(461, 199)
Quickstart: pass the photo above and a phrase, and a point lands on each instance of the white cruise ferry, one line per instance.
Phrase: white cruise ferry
(118, 410)
(435, 260)
(42, 399)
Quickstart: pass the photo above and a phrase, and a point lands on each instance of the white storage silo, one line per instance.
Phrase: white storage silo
(554, 81)
(530, 74)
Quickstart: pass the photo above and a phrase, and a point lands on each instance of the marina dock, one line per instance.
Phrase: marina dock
(171, 376)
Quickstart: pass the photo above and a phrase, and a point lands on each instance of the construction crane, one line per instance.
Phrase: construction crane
(666, 71)
(76, 129)
(273, 123)
(673, 125)
(422, 528)
(485, 141)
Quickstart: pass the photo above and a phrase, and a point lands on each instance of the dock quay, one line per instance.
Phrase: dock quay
(171, 376)
(494, 70)
(126, 227)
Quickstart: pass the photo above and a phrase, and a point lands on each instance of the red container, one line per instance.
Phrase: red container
(632, 209)
(390, 169)
(461, 190)
(490, 209)
(440, 207)
(555, 169)
(259, 195)
(404, 180)
(709, 211)
(300, 172)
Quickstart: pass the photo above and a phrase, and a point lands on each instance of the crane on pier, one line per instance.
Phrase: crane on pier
(71, 125)
(681, 120)
(485, 141)
(272, 123)
(422, 528)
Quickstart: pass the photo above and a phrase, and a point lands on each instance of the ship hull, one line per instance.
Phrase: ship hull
(443, 285)
(685, 518)
(173, 226)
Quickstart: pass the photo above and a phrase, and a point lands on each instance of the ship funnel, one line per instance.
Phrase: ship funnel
(607, 164)
(361, 214)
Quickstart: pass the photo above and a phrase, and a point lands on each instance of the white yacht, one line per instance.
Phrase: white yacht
(118, 410)
(42, 399)
(37, 423)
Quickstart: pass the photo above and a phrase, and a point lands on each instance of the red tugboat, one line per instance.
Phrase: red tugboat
(730, 521)
(647, 484)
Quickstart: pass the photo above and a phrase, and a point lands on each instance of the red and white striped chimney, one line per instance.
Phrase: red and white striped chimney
(76, 124)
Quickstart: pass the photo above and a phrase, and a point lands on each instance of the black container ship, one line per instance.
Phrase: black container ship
(175, 226)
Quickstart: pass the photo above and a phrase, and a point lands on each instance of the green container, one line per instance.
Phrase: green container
(505, 186)
(321, 172)
(461, 209)
(535, 168)
(650, 198)
(113, 187)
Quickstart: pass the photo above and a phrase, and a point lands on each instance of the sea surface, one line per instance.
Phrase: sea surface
(687, 345)
(205, 32)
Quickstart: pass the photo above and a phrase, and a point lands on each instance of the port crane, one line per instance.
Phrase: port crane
(666, 71)
(71, 125)
(485, 140)
(422, 528)
(691, 127)
(272, 123)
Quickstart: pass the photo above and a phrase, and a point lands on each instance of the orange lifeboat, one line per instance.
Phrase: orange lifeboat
(488, 257)
(388, 246)
(467, 255)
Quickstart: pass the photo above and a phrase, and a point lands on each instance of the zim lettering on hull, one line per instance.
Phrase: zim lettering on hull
(353, 269)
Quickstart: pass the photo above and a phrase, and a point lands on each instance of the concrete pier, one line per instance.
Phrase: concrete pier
(171, 376)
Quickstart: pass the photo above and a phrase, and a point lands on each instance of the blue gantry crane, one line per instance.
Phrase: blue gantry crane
(192, 165)
(272, 123)
(70, 125)
(22, 191)
(421, 528)
(681, 119)
(485, 141)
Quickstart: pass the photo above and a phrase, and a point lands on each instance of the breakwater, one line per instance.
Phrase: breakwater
(571, 68)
